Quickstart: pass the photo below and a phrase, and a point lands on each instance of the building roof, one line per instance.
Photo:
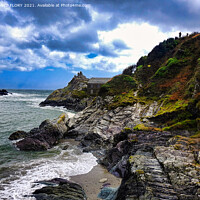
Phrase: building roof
(98, 80)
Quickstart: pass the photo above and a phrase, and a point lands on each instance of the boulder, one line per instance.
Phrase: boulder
(3, 92)
(18, 135)
(46, 136)
(66, 190)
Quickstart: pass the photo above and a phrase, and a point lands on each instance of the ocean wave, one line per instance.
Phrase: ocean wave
(66, 164)
(57, 108)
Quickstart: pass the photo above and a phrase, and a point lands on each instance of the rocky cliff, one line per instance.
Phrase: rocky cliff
(73, 97)
(145, 126)
(149, 124)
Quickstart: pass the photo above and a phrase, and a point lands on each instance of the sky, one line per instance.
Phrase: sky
(43, 47)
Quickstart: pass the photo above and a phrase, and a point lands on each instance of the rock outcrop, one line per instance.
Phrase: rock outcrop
(46, 136)
(18, 135)
(3, 92)
(131, 119)
(73, 97)
(64, 190)
(155, 165)
(97, 125)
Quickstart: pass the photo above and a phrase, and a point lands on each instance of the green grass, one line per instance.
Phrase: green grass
(118, 85)
(183, 125)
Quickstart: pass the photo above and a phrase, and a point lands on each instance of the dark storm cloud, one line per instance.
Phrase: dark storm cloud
(10, 19)
(29, 45)
(47, 16)
(107, 51)
(76, 30)
(81, 41)
(166, 13)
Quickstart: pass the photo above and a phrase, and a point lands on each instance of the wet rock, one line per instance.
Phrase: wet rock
(55, 181)
(182, 169)
(65, 147)
(46, 136)
(4, 92)
(155, 165)
(145, 179)
(17, 135)
(108, 193)
(65, 190)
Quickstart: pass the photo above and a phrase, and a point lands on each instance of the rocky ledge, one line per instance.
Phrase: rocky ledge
(153, 164)
(60, 189)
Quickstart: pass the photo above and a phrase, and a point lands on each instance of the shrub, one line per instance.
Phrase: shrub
(139, 67)
(167, 70)
(79, 94)
(172, 61)
(118, 85)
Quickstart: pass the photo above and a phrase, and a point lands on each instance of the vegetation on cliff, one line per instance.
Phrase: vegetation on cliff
(169, 75)
(72, 97)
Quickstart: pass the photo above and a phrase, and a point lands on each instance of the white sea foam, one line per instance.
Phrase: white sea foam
(60, 108)
(66, 164)
(21, 111)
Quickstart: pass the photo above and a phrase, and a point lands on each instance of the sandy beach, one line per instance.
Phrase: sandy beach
(91, 181)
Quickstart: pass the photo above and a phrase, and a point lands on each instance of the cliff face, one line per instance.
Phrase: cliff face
(148, 122)
(170, 76)
(73, 97)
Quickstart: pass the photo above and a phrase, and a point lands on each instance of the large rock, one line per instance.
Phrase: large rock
(18, 135)
(73, 97)
(181, 163)
(46, 136)
(3, 92)
(155, 165)
(64, 191)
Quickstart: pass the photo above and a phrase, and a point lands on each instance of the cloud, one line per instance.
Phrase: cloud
(119, 44)
(107, 35)
(165, 14)
(74, 72)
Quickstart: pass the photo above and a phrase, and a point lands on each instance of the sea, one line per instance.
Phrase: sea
(21, 171)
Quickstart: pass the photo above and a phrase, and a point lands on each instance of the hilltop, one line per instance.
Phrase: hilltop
(169, 75)
(73, 96)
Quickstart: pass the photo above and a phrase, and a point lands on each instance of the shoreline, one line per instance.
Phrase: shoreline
(90, 181)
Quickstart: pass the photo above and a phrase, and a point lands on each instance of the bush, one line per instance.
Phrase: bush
(79, 94)
(139, 67)
(168, 70)
(118, 85)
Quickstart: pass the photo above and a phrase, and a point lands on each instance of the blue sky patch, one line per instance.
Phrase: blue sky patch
(92, 55)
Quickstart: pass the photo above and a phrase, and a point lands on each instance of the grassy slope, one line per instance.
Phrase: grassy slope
(170, 74)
